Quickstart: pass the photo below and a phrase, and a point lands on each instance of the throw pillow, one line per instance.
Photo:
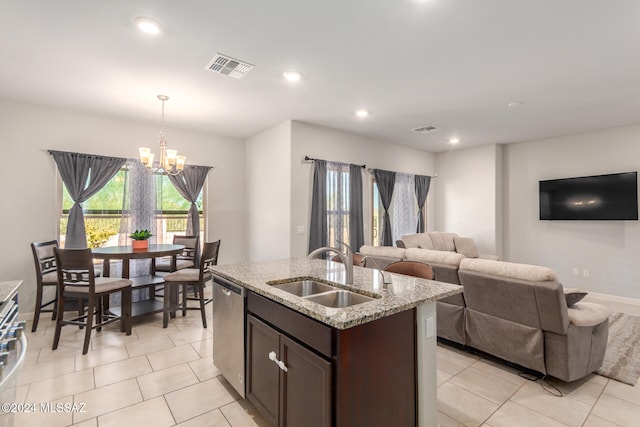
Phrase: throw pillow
(573, 295)
(466, 246)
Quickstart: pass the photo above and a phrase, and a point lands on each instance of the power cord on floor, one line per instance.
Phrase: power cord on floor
(548, 388)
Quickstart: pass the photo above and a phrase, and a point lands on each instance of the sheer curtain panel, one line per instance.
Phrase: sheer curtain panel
(83, 175)
(138, 208)
(403, 206)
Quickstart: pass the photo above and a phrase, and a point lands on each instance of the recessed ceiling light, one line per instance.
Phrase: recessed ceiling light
(515, 104)
(454, 140)
(292, 76)
(146, 25)
(362, 113)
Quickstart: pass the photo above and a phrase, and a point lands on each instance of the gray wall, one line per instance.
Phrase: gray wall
(268, 193)
(467, 194)
(328, 144)
(29, 178)
(609, 250)
(491, 193)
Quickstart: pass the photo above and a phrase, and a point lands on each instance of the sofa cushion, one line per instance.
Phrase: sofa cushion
(432, 256)
(466, 246)
(383, 251)
(531, 273)
(420, 240)
(443, 241)
(573, 295)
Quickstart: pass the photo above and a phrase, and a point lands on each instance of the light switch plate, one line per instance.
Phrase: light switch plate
(429, 327)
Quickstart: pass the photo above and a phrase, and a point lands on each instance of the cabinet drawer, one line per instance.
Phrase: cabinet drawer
(309, 331)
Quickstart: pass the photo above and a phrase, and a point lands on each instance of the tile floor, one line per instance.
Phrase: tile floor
(166, 377)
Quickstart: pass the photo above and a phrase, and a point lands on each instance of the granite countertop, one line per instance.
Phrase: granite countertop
(403, 294)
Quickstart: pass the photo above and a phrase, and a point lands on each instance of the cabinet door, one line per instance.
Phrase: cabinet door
(262, 374)
(305, 390)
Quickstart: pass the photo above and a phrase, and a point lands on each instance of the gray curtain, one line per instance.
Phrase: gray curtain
(422, 189)
(318, 236)
(356, 218)
(189, 184)
(83, 175)
(385, 181)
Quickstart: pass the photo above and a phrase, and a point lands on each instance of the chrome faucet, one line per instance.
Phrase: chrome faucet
(347, 260)
(377, 267)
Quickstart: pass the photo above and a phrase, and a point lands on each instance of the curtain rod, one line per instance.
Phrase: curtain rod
(430, 176)
(48, 150)
(309, 159)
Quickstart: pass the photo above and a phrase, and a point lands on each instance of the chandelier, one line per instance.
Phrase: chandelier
(169, 162)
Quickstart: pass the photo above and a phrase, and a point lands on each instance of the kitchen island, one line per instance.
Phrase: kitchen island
(371, 363)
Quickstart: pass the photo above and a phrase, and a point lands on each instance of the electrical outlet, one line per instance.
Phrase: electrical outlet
(576, 271)
(586, 273)
(300, 229)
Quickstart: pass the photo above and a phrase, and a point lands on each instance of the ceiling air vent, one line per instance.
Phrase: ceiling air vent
(425, 129)
(227, 66)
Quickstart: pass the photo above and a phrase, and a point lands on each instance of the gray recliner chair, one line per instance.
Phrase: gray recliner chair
(519, 313)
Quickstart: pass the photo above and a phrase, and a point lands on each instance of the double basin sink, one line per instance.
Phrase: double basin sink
(323, 294)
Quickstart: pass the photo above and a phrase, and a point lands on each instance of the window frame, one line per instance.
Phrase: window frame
(158, 214)
(375, 196)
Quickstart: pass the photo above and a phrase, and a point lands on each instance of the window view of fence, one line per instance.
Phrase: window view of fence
(338, 203)
(104, 213)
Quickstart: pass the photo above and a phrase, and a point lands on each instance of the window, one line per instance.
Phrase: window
(172, 209)
(104, 212)
(338, 203)
(403, 211)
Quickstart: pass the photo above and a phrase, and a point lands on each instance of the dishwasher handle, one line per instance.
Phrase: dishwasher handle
(228, 287)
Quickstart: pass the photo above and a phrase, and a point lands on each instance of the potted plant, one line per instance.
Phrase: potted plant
(140, 239)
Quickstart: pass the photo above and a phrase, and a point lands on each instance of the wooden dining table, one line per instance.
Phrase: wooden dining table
(126, 254)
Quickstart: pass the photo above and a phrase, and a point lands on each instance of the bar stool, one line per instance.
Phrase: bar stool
(196, 277)
(77, 279)
(46, 277)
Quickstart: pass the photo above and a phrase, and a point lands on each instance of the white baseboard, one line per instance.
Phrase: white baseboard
(615, 298)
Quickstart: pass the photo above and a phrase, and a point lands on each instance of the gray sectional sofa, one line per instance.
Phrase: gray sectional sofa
(516, 312)
(443, 252)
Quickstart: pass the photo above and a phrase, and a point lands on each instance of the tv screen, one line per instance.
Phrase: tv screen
(601, 197)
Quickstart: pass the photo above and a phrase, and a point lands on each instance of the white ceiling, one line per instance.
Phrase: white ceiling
(453, 64)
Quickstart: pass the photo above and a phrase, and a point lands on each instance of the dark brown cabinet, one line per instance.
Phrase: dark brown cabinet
(263, 375)
(301, 372)
(288, 383)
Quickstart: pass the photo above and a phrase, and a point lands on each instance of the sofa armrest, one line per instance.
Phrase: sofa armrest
(489, 257)
(588, 314)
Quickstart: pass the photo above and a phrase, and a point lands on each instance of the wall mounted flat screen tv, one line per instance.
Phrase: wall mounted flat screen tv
(601, 197)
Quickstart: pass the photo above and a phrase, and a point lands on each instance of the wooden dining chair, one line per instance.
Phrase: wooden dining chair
(77, 279)
(187, 259)
(195, 277)
(46, 278)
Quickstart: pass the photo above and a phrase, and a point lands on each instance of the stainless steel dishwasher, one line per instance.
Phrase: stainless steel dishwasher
(228, 331)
